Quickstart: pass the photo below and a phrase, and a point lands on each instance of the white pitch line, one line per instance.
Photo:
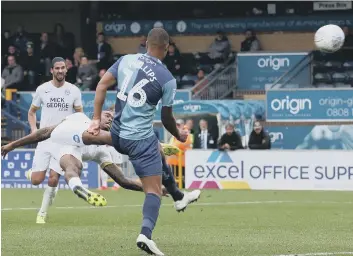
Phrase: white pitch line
(318, 254)
(139, 205)
(196, 204)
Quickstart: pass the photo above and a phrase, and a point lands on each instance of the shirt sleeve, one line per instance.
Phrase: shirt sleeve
(114, 68)
(78, 100)
(37, 99)
(169, 90)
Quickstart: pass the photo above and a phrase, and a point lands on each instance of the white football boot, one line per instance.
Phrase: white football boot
(189, 198)
(148, 245)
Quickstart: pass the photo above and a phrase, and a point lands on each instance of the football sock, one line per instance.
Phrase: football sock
(74, 182)
(49, 193)
(169, 183)
(150, 213)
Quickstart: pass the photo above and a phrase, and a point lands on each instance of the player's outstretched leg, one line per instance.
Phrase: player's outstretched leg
(72, 168)
(181, 200)
(152, 186)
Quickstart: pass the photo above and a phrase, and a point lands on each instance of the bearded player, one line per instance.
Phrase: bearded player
(57, 99)
(142, 81)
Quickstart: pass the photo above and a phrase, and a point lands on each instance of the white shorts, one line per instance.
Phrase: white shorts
(43, 158)
(116, 156)
(98, 154)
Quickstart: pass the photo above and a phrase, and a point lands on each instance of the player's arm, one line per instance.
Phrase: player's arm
(32, 117)
(107, 81)
(38, 136)
(78, 101)
(117, 175)
(167, 117)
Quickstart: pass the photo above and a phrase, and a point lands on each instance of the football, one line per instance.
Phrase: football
(329, 38)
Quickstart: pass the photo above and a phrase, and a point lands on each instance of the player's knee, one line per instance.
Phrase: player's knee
(53, 179)
(154, 190)
(37, 178)
(72, 171)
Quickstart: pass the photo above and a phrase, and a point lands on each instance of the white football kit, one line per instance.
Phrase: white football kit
(56, 103)
(68, 135)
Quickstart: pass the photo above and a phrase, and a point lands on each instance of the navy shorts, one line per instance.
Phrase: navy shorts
(143, 154)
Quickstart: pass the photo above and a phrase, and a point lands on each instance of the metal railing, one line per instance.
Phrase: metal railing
(217, 87)
(15, 128)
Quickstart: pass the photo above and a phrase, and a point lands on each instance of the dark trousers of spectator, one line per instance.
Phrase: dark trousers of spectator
(206, 60)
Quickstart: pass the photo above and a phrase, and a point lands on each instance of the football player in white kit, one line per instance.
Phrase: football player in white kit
(70, 151)
(57, 99)
(73, 140)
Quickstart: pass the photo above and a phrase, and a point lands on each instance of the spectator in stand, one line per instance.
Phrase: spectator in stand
(142, 47)
(200, 82)
(259, 139)
(20, 39)
(231, 140)
(251, 43)
(183, 146)
(11, 51)
(12, 74)
(173, 62)
(205, 138)
(63, 41)
(79, 52)
(5, 41)
(86, 75)
(46, 53)
(176, 50)
(190, 125)
(30, 64)
(99, 77)
(104, 52)
(348, 40)
(71, 74)
(219, 49)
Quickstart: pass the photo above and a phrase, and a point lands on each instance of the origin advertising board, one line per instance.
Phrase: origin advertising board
(16, 164)
(309, 105)
(88, 101)
(260, 71)
(269, 170)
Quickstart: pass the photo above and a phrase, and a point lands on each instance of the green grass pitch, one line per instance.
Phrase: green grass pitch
(221, 223)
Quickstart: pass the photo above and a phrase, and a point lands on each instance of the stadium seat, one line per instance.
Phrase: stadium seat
(187, 81)
(206, 67)
(318, 64)
(324, 85)
(342, 85)
(322, 78)
(339, 77)
(334, 65)
(348, 65)
(349, 76)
